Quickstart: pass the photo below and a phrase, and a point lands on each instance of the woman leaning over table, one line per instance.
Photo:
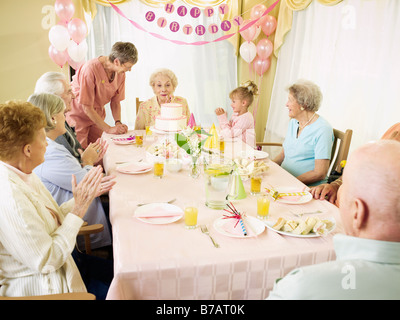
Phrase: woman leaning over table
(36, 235)
(308, 143)
(164, 83)
(59, 165)
(98, 82)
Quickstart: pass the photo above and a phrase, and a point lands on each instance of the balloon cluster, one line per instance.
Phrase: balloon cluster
(67, 38)
(259, 54)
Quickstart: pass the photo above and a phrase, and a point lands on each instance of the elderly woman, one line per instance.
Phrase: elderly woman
(308, 144)
(98, 82)
(59, 165)
(164, 83)
(37, 235)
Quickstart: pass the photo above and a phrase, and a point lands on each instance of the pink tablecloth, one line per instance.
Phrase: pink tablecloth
(171, 262)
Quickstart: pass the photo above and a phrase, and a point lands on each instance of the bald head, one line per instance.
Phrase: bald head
(370, 194)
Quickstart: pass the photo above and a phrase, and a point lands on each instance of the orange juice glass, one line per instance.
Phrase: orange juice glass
(262, 207)
(139, 140)
(191, 217)
(158, 169)
(221, 144)
(255, 185)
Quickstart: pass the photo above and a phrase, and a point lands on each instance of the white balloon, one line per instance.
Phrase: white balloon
(248, 51)
(77, 52)
(59, 37)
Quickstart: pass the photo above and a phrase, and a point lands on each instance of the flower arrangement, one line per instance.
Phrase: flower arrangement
(191, 141)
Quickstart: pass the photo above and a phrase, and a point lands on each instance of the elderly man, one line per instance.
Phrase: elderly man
(368, 256)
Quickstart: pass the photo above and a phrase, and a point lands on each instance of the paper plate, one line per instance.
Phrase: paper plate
(293, 199)
(134, 167)
(253, 225)
(124, 140)
(158, 208)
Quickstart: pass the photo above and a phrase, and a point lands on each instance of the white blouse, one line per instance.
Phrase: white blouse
(36, 238)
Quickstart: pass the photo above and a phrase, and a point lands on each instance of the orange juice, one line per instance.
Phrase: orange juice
(255, 185)
(139, 140)
(197, 128)
(190, 217)
(221, 145)
(158, 169)
(148, 131)
(262, 207)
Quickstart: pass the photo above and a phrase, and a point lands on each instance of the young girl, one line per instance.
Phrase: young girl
(242, 121)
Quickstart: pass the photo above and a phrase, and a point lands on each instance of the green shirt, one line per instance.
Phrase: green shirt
(364, 269)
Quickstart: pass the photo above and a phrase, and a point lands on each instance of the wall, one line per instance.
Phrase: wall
(23, 47)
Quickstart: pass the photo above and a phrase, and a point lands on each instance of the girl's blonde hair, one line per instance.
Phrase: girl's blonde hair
(246, 91)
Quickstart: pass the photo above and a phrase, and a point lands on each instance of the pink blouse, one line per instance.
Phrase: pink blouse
(92, 88)
(239, 126)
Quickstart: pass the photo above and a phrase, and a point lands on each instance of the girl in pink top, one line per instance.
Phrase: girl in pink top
(242, 121)
(98, 82)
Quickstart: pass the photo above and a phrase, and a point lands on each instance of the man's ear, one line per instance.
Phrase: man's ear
(360, 215)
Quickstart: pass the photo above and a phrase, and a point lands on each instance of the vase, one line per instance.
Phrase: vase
(195, 168)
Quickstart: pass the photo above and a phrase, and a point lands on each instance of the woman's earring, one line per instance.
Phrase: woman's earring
(302, 109)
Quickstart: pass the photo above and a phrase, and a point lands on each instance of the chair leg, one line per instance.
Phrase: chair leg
(88, 247)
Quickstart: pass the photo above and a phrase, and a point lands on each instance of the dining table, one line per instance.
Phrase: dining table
(167, 261)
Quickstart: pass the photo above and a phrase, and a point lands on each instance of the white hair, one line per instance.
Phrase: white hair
(51, 82)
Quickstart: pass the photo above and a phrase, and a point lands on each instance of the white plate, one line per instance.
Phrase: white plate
(269, 225)
(161, 220)
(304, 199)
(256, 225)
(260, 154)
(123, 140)
(162, 131)
(121, 167)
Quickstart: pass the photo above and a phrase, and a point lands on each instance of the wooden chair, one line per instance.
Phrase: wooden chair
(86, 230)
(339, 153)
(59, 296)
(138, 102)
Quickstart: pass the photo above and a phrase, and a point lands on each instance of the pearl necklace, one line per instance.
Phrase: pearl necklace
(302, 127)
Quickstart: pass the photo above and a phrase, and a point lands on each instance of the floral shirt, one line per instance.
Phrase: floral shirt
(148, 110)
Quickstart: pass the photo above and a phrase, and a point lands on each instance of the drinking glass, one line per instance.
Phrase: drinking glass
(255, 184)
(159, 168)
(139, 140)
(190, 217)
(262, 207)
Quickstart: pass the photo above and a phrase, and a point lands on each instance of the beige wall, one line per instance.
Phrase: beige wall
(24, 45)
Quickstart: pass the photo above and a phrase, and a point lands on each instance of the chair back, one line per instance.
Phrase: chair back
(340, 148)
(138, 102)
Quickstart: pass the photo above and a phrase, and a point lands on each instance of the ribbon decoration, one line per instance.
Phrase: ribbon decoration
(275, 194)
(196, 43)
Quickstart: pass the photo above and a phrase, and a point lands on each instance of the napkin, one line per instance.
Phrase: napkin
(133, 167)
(229, 227)
(159, 212)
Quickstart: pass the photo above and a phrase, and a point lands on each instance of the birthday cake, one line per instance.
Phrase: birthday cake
(171, 118)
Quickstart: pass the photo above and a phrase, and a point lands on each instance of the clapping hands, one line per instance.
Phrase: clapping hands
(94, 152)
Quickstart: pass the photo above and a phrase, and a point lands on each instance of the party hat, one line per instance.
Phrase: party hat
(191, 122)
(237, 191)
(212, 141)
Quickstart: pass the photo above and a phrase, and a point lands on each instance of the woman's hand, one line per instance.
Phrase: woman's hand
(107, 182)
(118, 129)
(219, 111)
(94, 152)
(86, 190)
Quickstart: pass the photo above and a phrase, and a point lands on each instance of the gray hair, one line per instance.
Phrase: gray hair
(51, 82)
(164, 72)
(50, 104)
(124, 52)
(307, 94)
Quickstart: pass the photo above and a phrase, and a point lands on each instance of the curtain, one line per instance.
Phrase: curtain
(351, 51)
(206, 74)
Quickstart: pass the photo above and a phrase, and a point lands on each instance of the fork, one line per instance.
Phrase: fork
(142, 204)
(204, 229)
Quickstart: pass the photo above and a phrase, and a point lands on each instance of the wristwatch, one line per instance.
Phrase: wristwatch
(116, 121)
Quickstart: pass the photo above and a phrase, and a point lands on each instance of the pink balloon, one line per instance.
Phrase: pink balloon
(257, 12)
(250, 32)
(59, 57)
(261, 66)
(77, 30)
(268, 24)
(64, 9)
(264, 48)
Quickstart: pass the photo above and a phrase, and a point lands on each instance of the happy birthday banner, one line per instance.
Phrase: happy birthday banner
(200, 29)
